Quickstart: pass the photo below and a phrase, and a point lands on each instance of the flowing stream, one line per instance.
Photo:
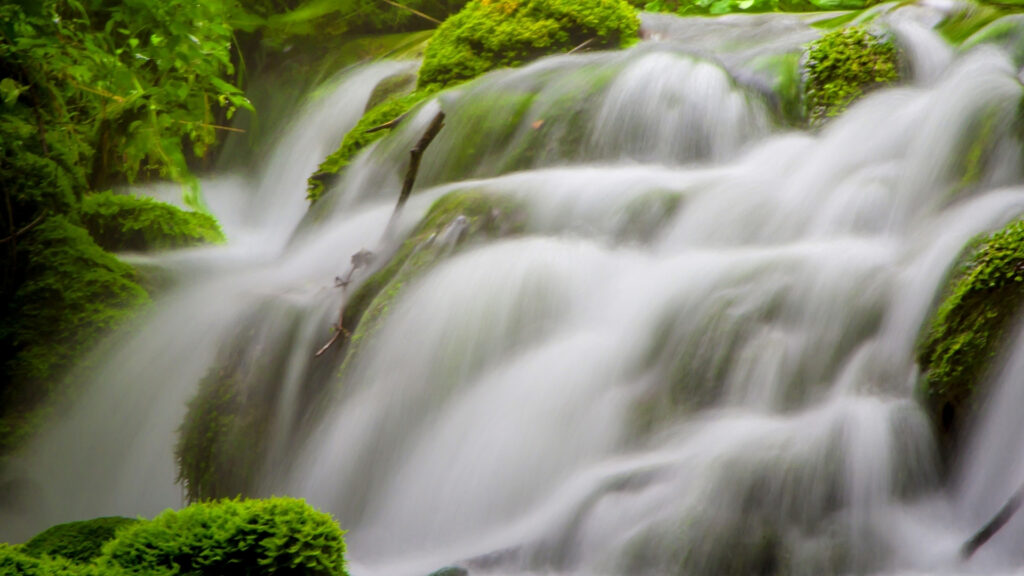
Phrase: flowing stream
(697, 359)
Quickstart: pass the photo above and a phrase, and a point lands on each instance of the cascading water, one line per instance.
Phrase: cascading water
(697, 357)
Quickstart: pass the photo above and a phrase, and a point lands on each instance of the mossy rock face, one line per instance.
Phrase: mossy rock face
(136, 223)
(970, 328)
(73, 293)
(489, 34)
(359, 137)
(453, 221)
(232, 538)
(842, 66)
(223, 441)
(77, 541)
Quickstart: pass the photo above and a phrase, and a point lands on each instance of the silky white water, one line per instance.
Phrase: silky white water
(698, 358)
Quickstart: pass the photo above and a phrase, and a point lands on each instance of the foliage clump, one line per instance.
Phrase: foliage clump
(359, 137)
(842, 65)
(969, 327)
(232, 538)
(16, 563)
(71, 293)
(489, 34)
(77, 541)
(135, 223)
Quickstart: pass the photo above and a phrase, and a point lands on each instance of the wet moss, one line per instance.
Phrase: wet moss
(77, 541)
(73, 292)
(489, 34)
(134, 223)
(842, 66)
(358, 138)
(484, 216)
(969, 328)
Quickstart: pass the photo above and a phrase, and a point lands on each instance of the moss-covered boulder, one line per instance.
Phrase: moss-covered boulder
(72, 293)
(970, 328)
(842, 66)
(232, 538)
(77, 541)
(224, 438)
(120, 222)
(453, 221)
(489, 34)
(14, 562)
(361, 136)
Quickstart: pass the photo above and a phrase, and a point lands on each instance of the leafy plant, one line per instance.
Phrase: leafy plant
(842, 65)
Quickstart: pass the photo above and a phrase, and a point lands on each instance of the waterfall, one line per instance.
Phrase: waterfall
(695, 356)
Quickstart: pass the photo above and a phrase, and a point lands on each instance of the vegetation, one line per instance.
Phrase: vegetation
(71, 292)
(77, 541)
(966, 333)
(717, 7)
(122, 222)
(482, 216)
(221, 538)
(842, 65)
(358, 138)
(232, 537)
(489, 34)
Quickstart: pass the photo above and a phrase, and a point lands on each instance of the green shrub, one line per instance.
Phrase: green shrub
(358, 139)
(842, 65)
(489, 34)
(970, 327)
(135, 223)
(232, 538)
(77, 541)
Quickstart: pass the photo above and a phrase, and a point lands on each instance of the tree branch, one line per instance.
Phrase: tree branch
(21, 232)
(415, 155)
(994, 525)
(414, 11)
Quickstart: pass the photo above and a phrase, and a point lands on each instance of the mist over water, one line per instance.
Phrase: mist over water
(698, 358)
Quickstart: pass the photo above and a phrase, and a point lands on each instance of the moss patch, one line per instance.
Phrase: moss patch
(77, 541)
(844, 64)
(358, 139)
(484, 216)
(489, 34)
(73, 292)
(136, 223)
(970, 326)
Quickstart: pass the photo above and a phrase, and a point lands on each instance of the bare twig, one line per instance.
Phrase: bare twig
(415, 155)
(414, 11)
(994, 525)
(360, 259)
(386, 125)
(214, 126)
(31, 225)
(582, 46)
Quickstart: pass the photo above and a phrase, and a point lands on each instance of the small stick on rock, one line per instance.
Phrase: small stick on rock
(386, 125)
(414, 166)
(994, 525)
(360, 259)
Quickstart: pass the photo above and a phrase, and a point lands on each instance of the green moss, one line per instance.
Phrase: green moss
(72, 293)
(136, 223)
(358, 139)
(1006, 32)
(486, 216)
(970, 326)
(77, 541)
(647, 214)
(842, 65)
(232, 538)
(783, 73)
(489, 34)
(222, 442)
(15, 563)
(967, 19)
